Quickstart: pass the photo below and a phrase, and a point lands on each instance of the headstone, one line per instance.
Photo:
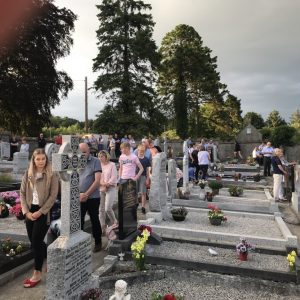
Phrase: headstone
(158, 188)
(5, 150)
(165, 145)
(20, 162)
(127, 208)
(51, 148)
(172, 181)
(296, 193)
(69, 256)
(185, 187)
(215, 153)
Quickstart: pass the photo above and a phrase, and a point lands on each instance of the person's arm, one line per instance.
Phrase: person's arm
(141, 169)
(113, 176)
(24, 206)
(148, 174)
(94, 185)
(120, 168)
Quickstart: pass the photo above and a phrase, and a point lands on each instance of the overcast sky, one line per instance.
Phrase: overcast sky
(257, 44)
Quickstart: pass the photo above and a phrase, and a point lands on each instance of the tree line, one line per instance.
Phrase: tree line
(147, 89)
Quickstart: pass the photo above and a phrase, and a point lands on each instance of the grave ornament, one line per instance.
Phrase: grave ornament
(120, 291)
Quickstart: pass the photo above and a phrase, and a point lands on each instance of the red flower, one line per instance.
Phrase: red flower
(169, 297)
(210, 206)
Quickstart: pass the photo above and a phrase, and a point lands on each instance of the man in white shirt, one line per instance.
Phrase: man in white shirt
(267, 153)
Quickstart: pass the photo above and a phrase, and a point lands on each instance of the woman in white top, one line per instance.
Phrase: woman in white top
(24, 147)
(203, 161)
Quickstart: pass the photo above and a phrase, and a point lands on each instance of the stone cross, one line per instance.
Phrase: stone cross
(185, 167)
(67, 162)
(69, 257)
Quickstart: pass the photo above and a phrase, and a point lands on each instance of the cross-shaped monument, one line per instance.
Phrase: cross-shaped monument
(69, 257)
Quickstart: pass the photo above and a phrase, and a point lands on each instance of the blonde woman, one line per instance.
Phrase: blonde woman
(38, 192)
(108, 189)
(278, 172)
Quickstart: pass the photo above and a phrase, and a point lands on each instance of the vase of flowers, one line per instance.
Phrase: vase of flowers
(10, 197)
(215, 215)
(291, 258)
(156, 296)
(243, 248)
(138, 250)
(179, 214)
(4, 212)
(17, 211)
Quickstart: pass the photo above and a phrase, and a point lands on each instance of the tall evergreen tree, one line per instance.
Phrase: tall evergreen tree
(30, 85)
(126, 61)
(255, 119)
(274, 119)
(295, 119)
(187, 77)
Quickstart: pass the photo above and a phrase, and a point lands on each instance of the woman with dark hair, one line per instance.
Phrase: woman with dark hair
(38, 193)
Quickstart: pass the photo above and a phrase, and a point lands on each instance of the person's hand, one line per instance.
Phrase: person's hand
(36, 215)
(83, 197)
(30, 217)
(135, 178)
(147, 181)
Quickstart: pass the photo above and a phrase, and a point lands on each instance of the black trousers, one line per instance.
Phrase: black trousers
(267, 166)
(197, 170)
(92, 206)
(203, 169)
(36, 231)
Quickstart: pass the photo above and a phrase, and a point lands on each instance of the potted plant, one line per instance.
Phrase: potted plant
(291, 257)
(215, 215)
(242, 249)
(179, 214)
(17, 211)
(235, 191)
(215, 186)
(156, 296)
(10, 197)
(4, 212)
(256, 177)
(209, 196)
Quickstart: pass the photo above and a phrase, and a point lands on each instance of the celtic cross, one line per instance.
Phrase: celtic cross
(67, 162)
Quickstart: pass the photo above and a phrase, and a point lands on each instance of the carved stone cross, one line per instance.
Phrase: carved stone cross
(67, 162)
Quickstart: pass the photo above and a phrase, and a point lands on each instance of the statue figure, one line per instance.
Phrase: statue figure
(120, 290)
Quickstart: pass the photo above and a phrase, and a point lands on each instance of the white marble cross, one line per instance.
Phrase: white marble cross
(185, 166)
(67, 162)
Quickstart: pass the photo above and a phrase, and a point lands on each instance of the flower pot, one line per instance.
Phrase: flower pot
(140, 262)
(178, 218)
(215, 221)
(215, 191)
(292, 268)
(20, 216)
(243, 256)
(209, 198)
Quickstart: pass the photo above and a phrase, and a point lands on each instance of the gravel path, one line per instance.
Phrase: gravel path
(186, 251)
(247, 225)
(11, 225)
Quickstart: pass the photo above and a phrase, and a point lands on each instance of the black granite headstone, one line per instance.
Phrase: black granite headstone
(127, 208)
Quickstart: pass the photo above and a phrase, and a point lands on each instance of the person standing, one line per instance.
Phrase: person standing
(25, 146)
(237, 150)
(144, 179)
(203, 161)
(112, 147)
(89, 181)
(38, 192)
(13, 146)
(41, 141)
(267, 152)
(278, 173)
(108, 189)
(117, 145)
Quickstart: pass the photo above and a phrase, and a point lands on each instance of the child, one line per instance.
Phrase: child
(128, 163)
(145, 177)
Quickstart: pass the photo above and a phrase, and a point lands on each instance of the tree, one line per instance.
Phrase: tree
(255, 119)
(295, 119)
(274, 119)
(126, 61)
(30, 85)
(56, 121)
(283, 135)
(187, 77)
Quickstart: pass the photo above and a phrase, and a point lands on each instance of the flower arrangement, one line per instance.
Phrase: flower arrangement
(11, 197)
(291, 257)
(215, 185)
(16, 210)
(202, 183)
(11, 249)
(4, 212)
(256, 177)
(156, 296)
(243, 246)
(138, 250)
(215, 215)
(143, 227)
(179, 214)
(91, 294)
(235, 191)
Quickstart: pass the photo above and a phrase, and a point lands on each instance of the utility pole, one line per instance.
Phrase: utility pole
(86, 105)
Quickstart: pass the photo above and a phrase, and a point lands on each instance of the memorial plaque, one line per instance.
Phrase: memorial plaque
(127, 208)
(5, 150)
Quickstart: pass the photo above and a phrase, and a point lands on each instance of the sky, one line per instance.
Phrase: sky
(257, 44)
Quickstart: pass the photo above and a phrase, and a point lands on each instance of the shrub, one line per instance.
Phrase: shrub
(215, 185)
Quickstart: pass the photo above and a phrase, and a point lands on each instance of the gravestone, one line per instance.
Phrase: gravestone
(158, 188)
(165, 145)
(172, 181)
(20, 162)
(5, 150)
(127, 208)
(69, 256)
(185, 187)
(51, 148)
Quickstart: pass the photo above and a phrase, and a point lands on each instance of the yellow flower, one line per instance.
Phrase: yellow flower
(291, 264)
(293, 253)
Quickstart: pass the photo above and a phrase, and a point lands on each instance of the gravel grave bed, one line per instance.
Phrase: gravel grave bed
(195, 290)
(242, 225)
(11, 225)
(188, 251)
